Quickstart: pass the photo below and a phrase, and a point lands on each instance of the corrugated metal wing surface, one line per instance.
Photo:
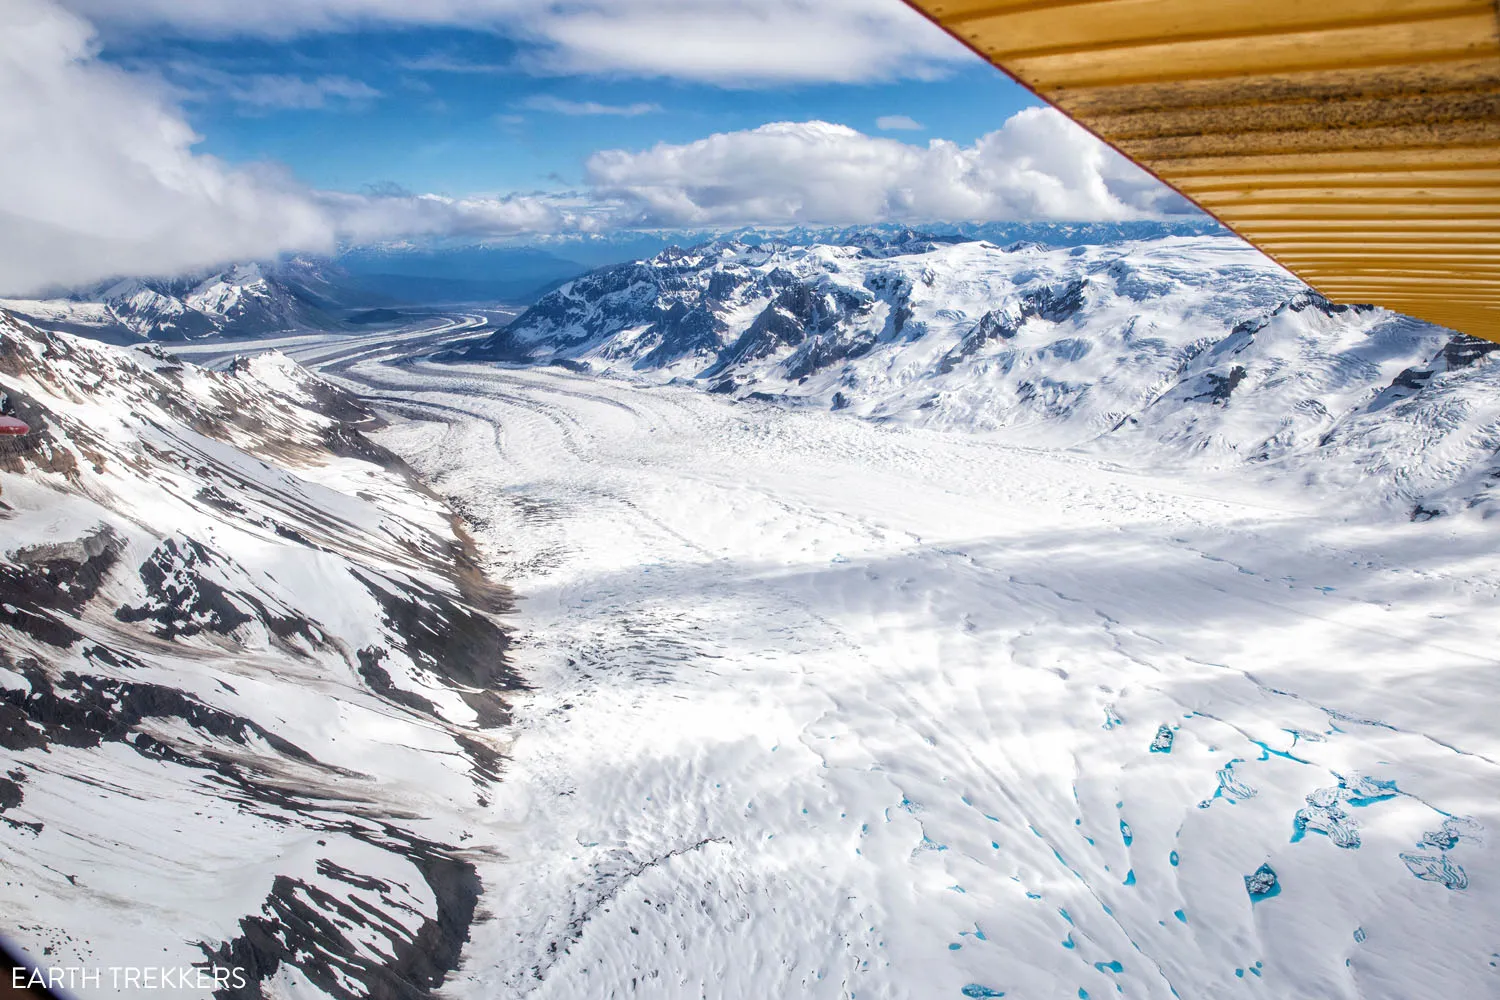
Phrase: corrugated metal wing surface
(1355, 141)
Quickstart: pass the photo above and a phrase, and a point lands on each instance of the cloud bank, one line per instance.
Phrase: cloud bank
(1039, 165)
(99, 178)
(98, 174)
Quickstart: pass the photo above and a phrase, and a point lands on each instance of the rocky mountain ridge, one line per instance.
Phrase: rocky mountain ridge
(243, 300)
(251, 678)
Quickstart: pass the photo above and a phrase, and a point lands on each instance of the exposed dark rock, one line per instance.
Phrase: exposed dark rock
(379, 680)
(346, 442)
(78, 710)
(61, 576)
(1460, 352)
(1463, 350)
(160, 353)
(117, 688)
(800, 314)
(10, 790)
(182, 601)
(310, 928)
(215, 497)
(1300, 302)
(39, 625)
(1419, 512)
(459, 644)
(1053, 304)
(824, 351)
(682, 331)
(997, 324)
(1220, 387)
(299, 923)
(43, 580)
(1413, 379)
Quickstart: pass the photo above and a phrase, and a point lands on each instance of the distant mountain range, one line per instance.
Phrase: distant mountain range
(368, 284)
(253, 299)
(1196, 348)
(599, 249)
(513, 273)
(243, 300)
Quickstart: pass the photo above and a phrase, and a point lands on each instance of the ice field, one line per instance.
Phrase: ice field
(828, 708)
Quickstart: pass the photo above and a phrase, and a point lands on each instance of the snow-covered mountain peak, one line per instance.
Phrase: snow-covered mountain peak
(245, 299)
(125, 289)
(245, 272)
(142, 309)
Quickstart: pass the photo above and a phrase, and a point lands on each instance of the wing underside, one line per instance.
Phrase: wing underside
(1357, 142)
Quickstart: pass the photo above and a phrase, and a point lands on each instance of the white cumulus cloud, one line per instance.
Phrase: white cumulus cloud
(362, 218)
(1039, 165)
(98, 177)
(98, 174)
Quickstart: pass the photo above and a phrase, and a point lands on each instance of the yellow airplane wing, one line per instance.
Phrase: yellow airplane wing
(1357, 142)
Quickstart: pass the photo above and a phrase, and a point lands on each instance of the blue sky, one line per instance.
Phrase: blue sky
(157, 136)
(445, 110)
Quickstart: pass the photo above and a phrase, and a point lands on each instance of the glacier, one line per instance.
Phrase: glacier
(900, 618)
(828, 707)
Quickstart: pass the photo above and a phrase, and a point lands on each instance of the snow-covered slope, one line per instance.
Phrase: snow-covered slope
(249, 679)
(1197, 348)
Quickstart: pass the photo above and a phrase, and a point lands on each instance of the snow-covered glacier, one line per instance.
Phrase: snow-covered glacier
(834, 708)
(903, 618)
(939, 619)
(1184, 350)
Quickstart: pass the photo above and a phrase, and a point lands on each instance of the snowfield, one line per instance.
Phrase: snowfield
(899, 619)
(824, 707)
